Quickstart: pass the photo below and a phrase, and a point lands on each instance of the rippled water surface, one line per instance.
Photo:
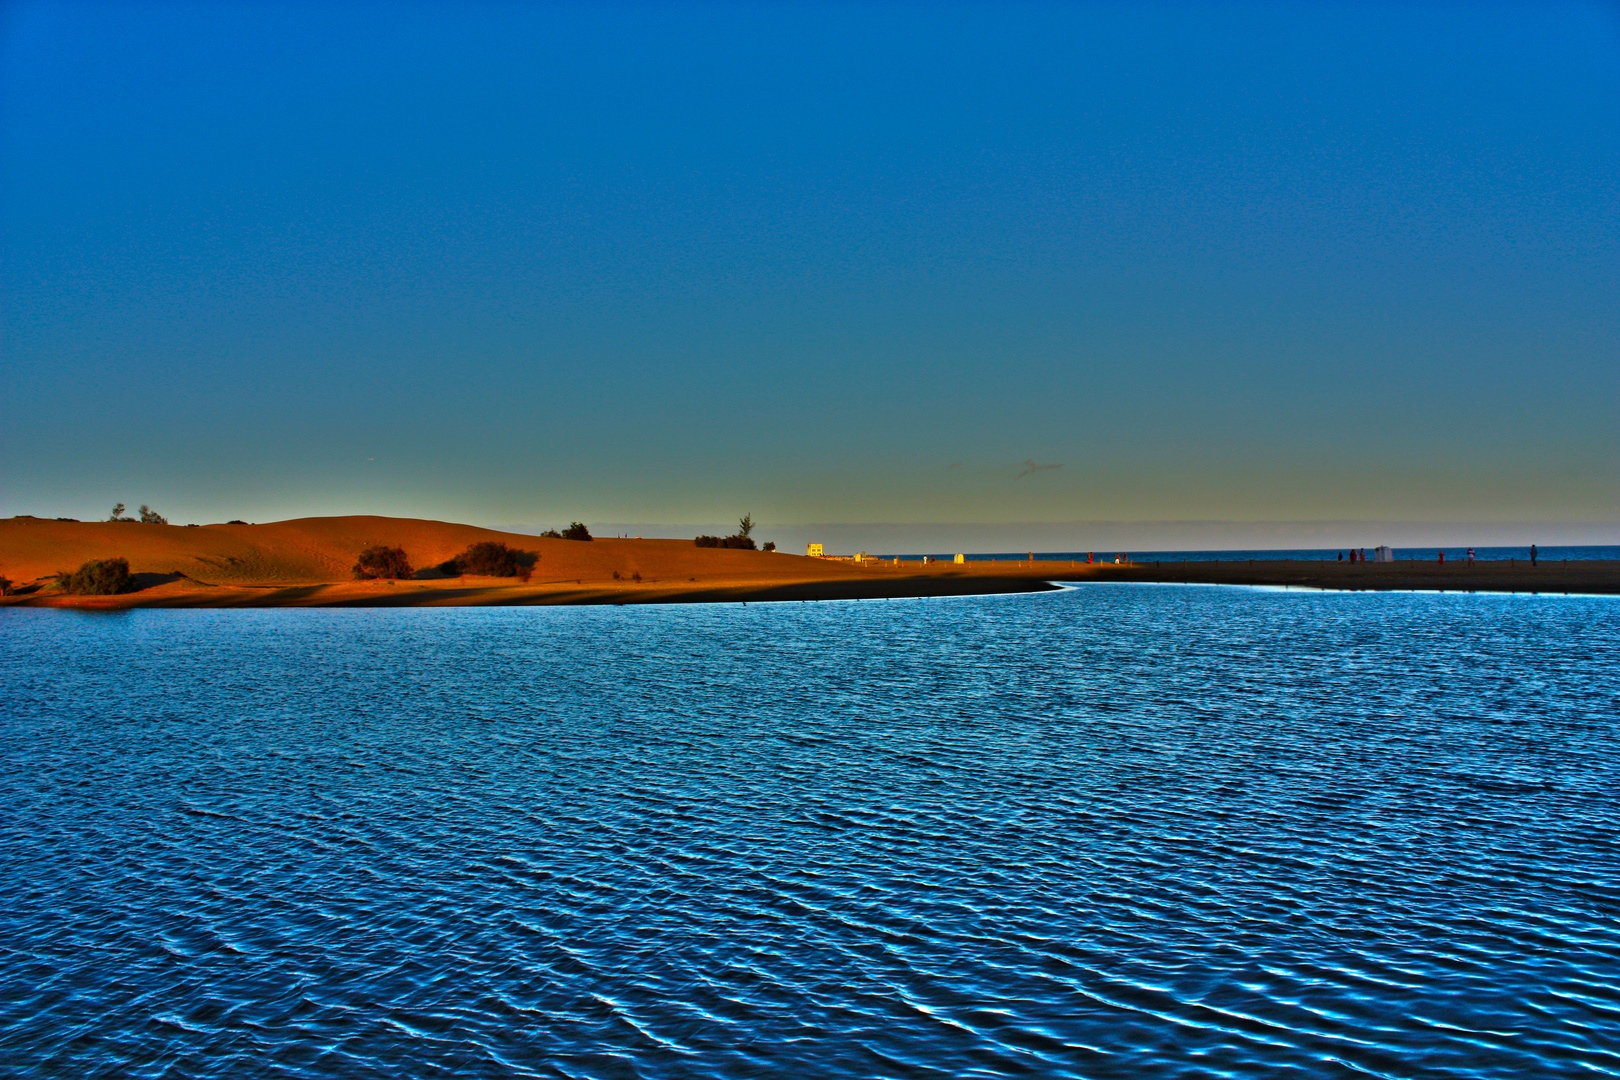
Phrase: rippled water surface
(1119, 831)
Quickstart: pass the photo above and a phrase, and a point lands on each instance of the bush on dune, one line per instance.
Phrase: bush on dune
(489, 558)
(148, 515)
(382, 561)
(742, 542)
(739, 539)
(98, 577)
(577, 531)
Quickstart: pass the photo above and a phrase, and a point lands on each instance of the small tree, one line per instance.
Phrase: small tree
(745, 525)
(770, 545)
(152, 517)
(551, 534)
(382, 561)
(118, 512)
(576, 531)
(98, 577)
(489, 558)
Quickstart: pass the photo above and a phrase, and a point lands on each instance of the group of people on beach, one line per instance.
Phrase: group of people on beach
(1360, 555)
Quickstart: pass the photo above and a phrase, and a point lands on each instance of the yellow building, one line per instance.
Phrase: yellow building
(817, 552)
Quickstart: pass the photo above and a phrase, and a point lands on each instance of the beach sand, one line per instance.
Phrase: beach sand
(306, 563)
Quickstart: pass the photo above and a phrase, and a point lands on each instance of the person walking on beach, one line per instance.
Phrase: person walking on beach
(1442, 558)
(1470, 556)
(1532, 554)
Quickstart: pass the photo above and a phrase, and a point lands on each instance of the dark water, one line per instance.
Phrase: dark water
(1121, 831)
(1545, 554)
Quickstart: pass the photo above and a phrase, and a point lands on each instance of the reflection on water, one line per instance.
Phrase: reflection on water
(1120, 831)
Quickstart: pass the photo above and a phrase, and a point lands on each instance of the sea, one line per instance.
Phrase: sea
(1429, 554)
(1112, 831)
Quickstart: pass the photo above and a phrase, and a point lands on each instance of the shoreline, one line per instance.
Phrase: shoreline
(883, 581)
(307, 562)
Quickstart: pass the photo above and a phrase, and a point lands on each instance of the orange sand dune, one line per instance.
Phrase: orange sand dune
(306, 562)
(321, 551)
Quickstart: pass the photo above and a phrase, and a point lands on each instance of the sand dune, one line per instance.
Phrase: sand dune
(307, 561)
(321, 551)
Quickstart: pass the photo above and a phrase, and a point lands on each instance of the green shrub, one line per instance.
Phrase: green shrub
(739, 539)
(152, 517)
(382, 561)
(551, 534)
(770, 545)
(98, 577)
(576, 531)
(489, 558)
(736, 540)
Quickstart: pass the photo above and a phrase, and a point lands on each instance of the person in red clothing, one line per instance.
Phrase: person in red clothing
(1442, 558)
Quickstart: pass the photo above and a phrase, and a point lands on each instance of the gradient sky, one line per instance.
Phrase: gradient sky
(828, 263)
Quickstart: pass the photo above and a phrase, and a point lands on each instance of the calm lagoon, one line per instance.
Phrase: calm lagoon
(1116, 831)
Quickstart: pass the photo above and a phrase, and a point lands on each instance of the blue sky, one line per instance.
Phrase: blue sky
(828, 263)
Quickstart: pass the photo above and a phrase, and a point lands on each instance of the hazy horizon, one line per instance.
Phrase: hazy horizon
(969, 263)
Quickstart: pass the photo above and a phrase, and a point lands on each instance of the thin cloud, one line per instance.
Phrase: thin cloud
(1031, 467)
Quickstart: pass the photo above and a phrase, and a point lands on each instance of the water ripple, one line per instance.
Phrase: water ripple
(1118, 831)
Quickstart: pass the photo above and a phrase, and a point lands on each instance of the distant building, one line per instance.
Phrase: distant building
(817, 552)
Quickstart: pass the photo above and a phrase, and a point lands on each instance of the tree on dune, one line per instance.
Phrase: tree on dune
(739, 539)
(577, 531)
(489, 558)
(97, 577)
(382, 561)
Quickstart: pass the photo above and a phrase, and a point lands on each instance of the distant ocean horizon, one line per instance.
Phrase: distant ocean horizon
(1591, 552)
(1169, 539)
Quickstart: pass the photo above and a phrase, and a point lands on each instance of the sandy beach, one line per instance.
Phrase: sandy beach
(306, 563)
